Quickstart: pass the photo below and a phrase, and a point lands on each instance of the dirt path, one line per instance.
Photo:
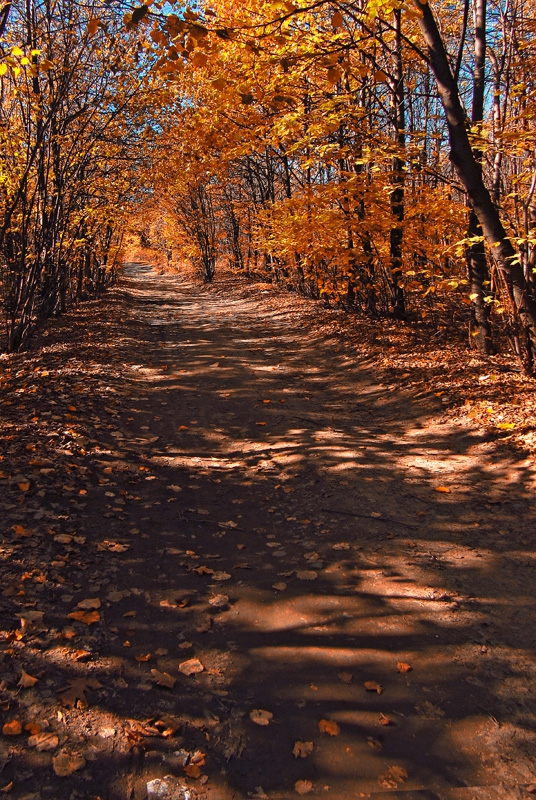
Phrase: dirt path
(204, 478)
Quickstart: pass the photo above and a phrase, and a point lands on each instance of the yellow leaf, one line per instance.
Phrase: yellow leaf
(3, 69)
(16, 51)
(444, 489)
(506, 426)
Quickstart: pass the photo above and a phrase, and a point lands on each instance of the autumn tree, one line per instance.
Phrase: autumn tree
(71, 117)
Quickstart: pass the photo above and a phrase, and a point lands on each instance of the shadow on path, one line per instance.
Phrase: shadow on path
(232, 490)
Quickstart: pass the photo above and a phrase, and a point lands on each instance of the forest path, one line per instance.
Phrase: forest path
(225, 488)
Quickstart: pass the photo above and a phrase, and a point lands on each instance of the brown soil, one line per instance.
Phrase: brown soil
(226, 477)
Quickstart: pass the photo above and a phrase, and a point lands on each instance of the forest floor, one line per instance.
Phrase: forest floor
(251, 550)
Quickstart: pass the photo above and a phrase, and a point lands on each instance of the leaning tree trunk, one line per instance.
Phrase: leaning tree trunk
(470, 175)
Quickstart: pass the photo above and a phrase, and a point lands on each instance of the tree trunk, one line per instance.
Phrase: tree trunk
(480, 337)
(398, 303)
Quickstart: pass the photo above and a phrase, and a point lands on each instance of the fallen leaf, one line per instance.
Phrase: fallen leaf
(87, 617)
(182, 428)
(384, 720)
(63, 538)
(221, 576)
(403, 667)
(116, 547)
(44, 741)
(163, 679)
(191, 667)
(202, 570)
(345, 677)
(373, 686)
(32, 728)
(143, 657)
(112, 547)
(444, 489)
(307, 575)
(303, 787)
(393, 776)
(20, 530)
(12, 728)
(302, 749)
(192, 770)
(26, 681)
(279, 586)
(74, 695)
(219, 601)
(260, 717)
(7, 788)
(89, 604)
(65, 764)
(329, 726)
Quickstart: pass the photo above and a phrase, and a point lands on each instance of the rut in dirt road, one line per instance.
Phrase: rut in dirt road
(265, 573)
